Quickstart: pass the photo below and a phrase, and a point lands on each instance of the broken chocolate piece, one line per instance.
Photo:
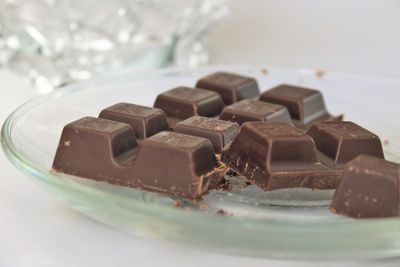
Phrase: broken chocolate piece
(305, 105)
(177, 164)
(278, 155)
(370, 188)
(183, 102)
(340, 142)
(170, 163)
(231, 87)
(145, 121)
(219, 132)
(252, 110)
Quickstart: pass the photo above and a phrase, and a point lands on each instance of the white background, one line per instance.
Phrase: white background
(36, 229)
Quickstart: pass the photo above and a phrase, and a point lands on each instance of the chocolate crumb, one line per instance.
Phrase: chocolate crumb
(248, 183)
(385, 142)
(203, 206)
(178, 204)
(231, 173)
(264, 71)
(222, 212)
(320, 73)
(224, 185)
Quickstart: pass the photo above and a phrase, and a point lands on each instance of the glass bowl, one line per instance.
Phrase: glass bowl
(290, 224)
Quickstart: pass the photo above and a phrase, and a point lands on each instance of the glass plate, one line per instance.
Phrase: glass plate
(294, 224)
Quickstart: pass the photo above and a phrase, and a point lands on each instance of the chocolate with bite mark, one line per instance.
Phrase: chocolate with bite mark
(340, 142)
(278, 155)
(219, 132)
(168, 162)
(145, 121)
(230, 86)
(305, 105)
(370, 188)
(252, 110)
(183, 102)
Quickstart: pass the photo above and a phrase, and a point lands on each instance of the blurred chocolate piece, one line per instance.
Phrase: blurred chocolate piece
(96, 148)
(305, 105)
(145, 121)
(183, 102)
(252, 110)
(278, 155)
(340, 142)
(177, 164)
(219, 132)
(231, 87)
(170, 163)
(370, 188)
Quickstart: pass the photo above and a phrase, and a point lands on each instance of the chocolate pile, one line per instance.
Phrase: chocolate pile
(190, 139)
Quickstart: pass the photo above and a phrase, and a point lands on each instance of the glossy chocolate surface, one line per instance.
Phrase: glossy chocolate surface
(145, 121)
(219, 132)
(230, 86)
(305, 105)
(253, 110)
(340, 142)
(183, 102)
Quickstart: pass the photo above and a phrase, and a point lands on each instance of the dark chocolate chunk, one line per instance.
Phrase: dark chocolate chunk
(252, 110)
(170, 163)
(340, 142)
(305, 105)
(177, 164)
(370, 188)
(278, 155)
(231, 87)
(183, 102)
(95, 148)
(219, 132)
(145, 121)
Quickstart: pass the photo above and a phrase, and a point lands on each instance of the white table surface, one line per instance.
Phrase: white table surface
(36, 229)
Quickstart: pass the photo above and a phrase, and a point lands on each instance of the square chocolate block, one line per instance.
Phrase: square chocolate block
(369, 188)
(95, 148)
(340, 142)
(145, 121)
(231, 87)
(252, 110)
(305, 105)
(219, 132)
(278, 155)
(183, 102)
(177, 164)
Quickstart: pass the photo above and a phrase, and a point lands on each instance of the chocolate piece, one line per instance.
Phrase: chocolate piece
(231, 87)
(145, 121)
(252, 110)
(170, 163)
(305, 105)
(177, 164)
(95, 148)
(340, 142)
(370, 188)
(183, 102)
(219, 132)
(278, 155)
